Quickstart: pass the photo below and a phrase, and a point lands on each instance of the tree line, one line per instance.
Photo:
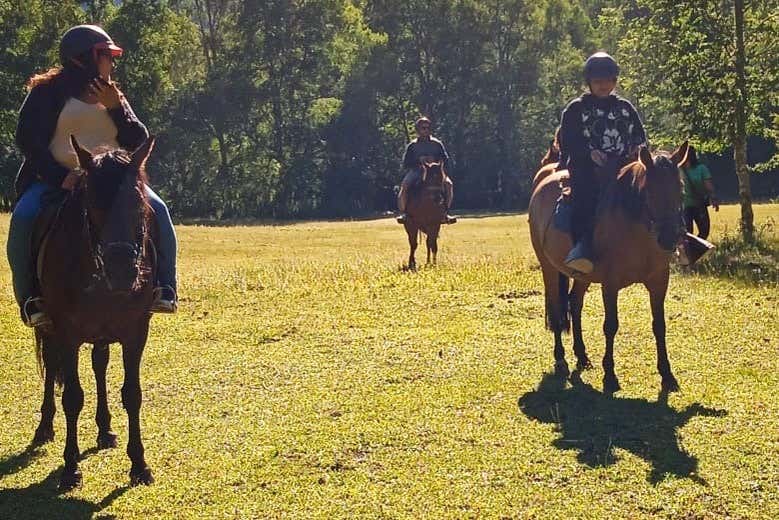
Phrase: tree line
(301, 108)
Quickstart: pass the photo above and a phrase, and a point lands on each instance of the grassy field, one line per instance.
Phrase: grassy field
(308, 376)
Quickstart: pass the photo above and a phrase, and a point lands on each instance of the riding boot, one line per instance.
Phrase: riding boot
(33, 314)
(165, 300)
(580, 257)
(584, 199)
(402, 199)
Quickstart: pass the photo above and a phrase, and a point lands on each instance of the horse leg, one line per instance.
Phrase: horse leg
(45, 431)
(577, 304)
(554, 317)
(105, 437)
(72, 403)
(657, 291)
(432, 247)
(140, 473)
(610, 327)
(412, 242)
(434, 243)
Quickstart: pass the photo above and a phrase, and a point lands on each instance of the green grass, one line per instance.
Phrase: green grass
(755, 261)
(307, 376)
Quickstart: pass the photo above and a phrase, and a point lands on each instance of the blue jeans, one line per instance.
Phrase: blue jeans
(19, 248)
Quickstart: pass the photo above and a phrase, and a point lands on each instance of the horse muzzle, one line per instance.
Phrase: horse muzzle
(121, 265)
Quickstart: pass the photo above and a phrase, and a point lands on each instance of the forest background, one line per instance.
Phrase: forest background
(302, 108)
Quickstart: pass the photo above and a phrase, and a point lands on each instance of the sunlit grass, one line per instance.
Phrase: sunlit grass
(308, 376)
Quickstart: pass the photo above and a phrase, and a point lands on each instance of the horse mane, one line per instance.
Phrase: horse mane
(552, 156)
(625, 191)
(112, 165)
(631, 181)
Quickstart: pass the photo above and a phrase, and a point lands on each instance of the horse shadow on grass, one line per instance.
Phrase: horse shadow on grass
(42, 500)
(594, 424)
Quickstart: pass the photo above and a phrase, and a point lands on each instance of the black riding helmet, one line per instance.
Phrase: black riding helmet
(81, 39)
(600, 66)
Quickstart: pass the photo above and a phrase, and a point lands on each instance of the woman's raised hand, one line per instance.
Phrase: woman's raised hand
(106, 92)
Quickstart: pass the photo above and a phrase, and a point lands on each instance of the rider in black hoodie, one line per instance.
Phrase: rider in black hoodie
(595, 127)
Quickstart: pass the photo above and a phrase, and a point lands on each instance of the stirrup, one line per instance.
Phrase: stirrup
(401, 219)
(35, 317)
(578, 258)
(162, 304)
(449, 219)
(580, 265)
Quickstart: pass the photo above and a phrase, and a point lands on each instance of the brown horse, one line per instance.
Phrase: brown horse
(96, 272)
(426, 209)
(636, 230)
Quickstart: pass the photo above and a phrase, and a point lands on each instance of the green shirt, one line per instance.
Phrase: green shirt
(694, 190)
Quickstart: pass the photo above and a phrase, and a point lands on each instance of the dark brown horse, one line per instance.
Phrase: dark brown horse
(96, 271)
(636, 230)
(426, 209)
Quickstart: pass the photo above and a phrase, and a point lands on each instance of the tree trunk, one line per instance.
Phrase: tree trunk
(740, 134)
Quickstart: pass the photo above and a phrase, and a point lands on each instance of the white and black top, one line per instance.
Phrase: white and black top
(609, 124)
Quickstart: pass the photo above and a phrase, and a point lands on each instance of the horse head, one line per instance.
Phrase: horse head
(433, 174)
(658, 181)
(552, 154)
(117, 212)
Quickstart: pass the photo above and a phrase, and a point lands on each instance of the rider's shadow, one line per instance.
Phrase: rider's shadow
(594, 423)
(42, 500)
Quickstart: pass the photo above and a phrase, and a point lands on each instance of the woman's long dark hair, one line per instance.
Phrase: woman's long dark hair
(70, 79)
(692, 158)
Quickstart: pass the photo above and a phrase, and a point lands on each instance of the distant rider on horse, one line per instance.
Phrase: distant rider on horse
(425, 148)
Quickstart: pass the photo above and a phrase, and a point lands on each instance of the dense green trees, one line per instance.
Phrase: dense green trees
(288, 108)
(710, 70)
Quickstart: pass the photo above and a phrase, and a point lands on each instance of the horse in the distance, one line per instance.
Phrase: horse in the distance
(426, 209)
(96, 269)
(636, 230)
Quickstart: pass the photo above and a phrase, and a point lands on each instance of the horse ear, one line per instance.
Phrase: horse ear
(679, 157)
(140, 155)
(645, 157)
(84, 155)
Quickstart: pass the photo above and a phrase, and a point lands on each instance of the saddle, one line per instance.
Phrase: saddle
(563, 211)
(44, 223)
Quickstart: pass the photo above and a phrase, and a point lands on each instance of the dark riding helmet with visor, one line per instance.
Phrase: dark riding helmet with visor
(82, 39)
(600, 66)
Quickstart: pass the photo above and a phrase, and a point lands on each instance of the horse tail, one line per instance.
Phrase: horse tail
(39, 352)
(565, 303)
(49, 361)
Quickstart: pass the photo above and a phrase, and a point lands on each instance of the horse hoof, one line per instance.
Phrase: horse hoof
(561, 369)
(143, 477)
(69, 480)
(106, 441)
(610, 384)
(670, 384)
(42, 436)
(583, 364)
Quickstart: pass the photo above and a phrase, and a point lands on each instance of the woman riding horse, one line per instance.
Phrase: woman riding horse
(80, 99)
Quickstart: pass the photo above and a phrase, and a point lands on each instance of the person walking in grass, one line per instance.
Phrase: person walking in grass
(698, 194)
